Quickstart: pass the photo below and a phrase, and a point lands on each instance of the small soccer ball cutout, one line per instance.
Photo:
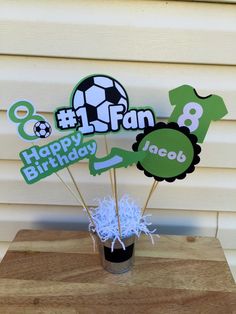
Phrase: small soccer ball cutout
(97, 93)
(42, 129)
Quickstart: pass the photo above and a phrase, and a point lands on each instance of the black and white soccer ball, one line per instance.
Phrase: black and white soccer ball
(97, 93)
(42, 129)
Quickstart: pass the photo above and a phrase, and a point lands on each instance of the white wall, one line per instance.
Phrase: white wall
(150, 47)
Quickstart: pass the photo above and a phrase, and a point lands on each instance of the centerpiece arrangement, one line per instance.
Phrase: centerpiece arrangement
(99, 104)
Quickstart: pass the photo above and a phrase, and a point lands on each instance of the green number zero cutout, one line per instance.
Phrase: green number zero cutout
(22, 120)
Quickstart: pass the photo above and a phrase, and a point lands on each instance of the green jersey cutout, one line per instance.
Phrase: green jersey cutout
(195, 112)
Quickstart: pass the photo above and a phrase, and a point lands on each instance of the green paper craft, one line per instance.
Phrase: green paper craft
(100, 104)
(22, 121)
(171, 151)
(116, 159)
(40, 162)
(194, 111)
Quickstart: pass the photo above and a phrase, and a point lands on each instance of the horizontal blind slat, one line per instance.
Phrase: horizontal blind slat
(218, 150)
(227, 230)
(120, 30)
(205, 189)
(48, 82)
(14, 217)
(231, 259)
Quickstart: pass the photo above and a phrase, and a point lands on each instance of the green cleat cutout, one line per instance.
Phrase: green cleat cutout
(117, 158)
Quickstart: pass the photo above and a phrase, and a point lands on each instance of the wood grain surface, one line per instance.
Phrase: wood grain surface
(59, 272)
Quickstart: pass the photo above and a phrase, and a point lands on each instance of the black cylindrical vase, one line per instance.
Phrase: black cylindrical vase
(119, 260)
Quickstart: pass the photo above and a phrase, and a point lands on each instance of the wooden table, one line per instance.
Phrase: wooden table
(59, 272)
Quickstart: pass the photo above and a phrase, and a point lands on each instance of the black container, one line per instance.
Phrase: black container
(119, 261)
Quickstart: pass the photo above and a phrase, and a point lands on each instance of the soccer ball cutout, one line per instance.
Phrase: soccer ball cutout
(97, 93)
(42, 129)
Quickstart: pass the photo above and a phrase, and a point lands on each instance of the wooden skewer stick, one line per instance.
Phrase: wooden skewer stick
(77, 188)
(114, 188)
(110, 172)
(81, 201)
(81, 196)
(68, 188)
(66, 185)
(153, 188)
(116, 202)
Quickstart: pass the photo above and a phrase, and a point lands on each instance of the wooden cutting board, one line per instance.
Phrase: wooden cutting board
(59, 272)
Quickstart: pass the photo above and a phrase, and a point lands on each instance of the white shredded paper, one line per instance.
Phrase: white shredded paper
(131, 220)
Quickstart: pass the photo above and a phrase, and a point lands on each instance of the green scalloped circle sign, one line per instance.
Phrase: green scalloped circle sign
(171, 151)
